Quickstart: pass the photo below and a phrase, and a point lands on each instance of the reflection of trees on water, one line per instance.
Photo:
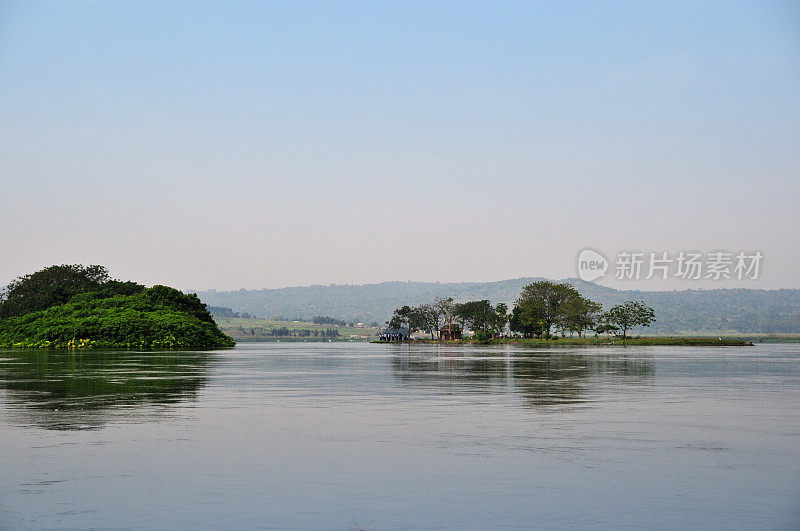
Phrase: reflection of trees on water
(87, 389)
(542, 378)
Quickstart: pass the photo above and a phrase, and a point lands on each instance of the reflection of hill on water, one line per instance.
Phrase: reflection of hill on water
(87, 389)
(543, 378)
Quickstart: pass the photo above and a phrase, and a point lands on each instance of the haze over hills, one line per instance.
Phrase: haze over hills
(687, 311)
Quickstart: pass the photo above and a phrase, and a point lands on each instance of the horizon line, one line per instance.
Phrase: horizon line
(566, 279)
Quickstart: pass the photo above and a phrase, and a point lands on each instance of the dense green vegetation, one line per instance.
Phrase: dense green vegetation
(683, 312)
(54, 308)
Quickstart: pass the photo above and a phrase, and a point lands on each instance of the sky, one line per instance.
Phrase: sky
(255, 145)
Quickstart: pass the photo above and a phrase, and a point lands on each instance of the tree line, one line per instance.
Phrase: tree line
(323, 319)
(302, 332)
(224, 311)
(280, 332)
(542, 308)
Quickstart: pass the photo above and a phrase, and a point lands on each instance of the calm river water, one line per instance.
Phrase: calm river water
(362, 436)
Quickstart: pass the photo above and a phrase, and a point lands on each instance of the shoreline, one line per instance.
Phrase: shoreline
(592, 341)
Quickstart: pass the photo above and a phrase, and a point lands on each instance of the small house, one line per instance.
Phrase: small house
(449, 332)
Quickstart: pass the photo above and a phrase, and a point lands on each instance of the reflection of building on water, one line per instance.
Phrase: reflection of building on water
(87, 389)
(542, 378)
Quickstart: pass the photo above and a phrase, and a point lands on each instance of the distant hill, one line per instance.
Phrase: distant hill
(686, 311)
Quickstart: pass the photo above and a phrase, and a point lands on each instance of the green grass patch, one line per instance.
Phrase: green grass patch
(246, 329)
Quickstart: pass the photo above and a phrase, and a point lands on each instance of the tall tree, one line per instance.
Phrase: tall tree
(527, 327)
(418, 319)
(444, 310)
(579, 314)
(478, 316)
(401, 318)
(543, 301)
(500, 318)
(629, 314)
(426, 317)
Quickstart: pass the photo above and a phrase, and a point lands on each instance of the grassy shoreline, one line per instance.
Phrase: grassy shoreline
(598, 341)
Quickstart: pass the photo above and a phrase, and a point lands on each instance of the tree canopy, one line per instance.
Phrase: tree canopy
(544, 302)
(579, 314)
(52, 286)
(482, 318)
(629, 314)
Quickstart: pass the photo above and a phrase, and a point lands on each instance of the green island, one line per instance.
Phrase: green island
(77, 307)
(543, 315)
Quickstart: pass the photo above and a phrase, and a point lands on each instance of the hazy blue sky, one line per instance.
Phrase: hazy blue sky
(227, 145)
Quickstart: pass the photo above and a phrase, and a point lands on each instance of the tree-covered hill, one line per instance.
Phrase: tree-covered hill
(686, 311)
(78, 307)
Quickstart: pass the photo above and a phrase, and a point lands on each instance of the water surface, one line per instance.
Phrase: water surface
(353, 435)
